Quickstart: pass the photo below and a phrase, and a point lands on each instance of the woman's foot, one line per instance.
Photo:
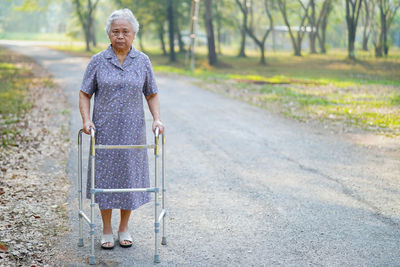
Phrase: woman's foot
(107, 239)
(125, 239)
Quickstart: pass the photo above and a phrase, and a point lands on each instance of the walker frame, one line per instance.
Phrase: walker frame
(157, 216)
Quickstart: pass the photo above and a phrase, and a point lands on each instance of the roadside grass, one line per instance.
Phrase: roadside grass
(327, 88)
(14, 83)
(31, 36)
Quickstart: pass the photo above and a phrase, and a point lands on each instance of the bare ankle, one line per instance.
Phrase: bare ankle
(107, 230)
(123, 229)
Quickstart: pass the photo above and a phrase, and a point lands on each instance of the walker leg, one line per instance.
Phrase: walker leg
(80, 241)
(164, 239)
(92, 154)
(156, 223)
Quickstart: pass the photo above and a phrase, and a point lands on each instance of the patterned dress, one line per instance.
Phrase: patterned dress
(119, 119)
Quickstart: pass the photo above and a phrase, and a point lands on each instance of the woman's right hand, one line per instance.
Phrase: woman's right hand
(87, 125)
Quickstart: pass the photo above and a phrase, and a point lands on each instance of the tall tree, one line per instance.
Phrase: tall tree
(366, 19)
(322, 24)
(387, 11)
(353, 8)
(296, 40)
(312, 21)
(250, 27)
(171, 30)
(243, 33)
(86, 18)
(218, 19)
(161, 33)
(212, 55)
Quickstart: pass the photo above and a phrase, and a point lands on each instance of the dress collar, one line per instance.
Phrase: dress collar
(109, 52)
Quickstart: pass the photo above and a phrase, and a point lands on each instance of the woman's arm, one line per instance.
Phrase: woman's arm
(154, 106)
(84, 107)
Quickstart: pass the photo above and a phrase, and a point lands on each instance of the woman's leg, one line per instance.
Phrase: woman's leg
(123, 225)
(107, 228)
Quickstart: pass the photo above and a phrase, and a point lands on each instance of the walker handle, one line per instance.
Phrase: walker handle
(157, 131)
(91, 131)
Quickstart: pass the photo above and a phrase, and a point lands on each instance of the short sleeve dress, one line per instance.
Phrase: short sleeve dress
(119, 119)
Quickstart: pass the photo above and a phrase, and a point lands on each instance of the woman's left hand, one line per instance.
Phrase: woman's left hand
(159, 124)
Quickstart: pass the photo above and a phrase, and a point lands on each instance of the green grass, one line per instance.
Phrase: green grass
(14, 82)
(329, 88)
(28, 36)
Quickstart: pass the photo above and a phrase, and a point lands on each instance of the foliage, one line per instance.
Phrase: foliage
(13, 89)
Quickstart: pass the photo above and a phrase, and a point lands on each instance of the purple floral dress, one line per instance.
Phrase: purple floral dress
(119, 119)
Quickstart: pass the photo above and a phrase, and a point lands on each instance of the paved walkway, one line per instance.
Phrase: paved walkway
(246, 187)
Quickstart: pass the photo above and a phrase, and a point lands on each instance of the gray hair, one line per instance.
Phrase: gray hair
(122, 14)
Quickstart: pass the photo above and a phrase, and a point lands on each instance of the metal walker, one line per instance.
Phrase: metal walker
(93, 190)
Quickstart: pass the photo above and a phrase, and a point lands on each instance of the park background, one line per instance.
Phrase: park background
(332, 61)
(327, 64)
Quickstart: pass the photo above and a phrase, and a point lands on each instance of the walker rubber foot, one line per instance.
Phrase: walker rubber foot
(92, 260)
(164, 241)
(156, 259)
(80, 242)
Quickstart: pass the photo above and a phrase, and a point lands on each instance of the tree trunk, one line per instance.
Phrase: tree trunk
(322, 24)
(212, 55)
(161, 33)
(140, 36)
(180, 41)
(87, 39)
(171, 27)
(219, 26)
(313, 25)
(353, 8)
(366, 23)
(85, 16)
(296, 41)
(93, 33)
(242, 51)
(262, 57)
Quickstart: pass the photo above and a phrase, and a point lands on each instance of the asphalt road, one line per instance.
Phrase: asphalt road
(245, 187)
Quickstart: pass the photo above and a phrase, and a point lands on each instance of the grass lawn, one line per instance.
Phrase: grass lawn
(14, 83)
(328, 88)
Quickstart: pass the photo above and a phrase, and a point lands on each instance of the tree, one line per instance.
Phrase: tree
(182, 17)
(322, 24)
(140, 9)
(366, 19)
(86, 18)
(387, 11)
(218, 19)
(212, 55)
(318, 22)
(250, 27)
(313, 27)
(171, 30)
(353, 8)
(296, 40)
(242, 52)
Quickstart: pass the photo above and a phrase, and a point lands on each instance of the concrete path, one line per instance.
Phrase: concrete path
(246, 187)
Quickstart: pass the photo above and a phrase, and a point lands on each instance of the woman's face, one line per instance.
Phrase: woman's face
(121, 35)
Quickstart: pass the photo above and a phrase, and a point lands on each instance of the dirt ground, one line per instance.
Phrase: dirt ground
(33, 185)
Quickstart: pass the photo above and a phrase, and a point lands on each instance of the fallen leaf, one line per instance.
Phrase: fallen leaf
(3, 247)
(36, 216)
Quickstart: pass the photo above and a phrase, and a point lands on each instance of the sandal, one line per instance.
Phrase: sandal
(124, 236)
(107, 238)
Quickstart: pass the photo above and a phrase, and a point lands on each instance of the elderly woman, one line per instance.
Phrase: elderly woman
(118, 76)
